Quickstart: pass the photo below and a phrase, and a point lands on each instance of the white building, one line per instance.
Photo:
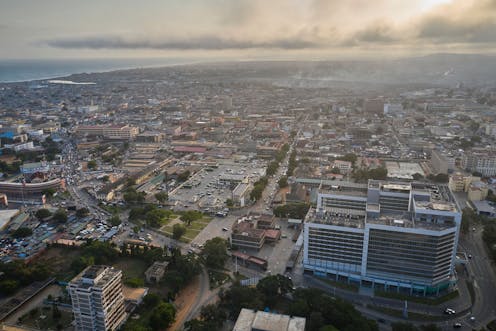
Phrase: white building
(392, 235)
(97, 299)
(249, 320)
(483, 161)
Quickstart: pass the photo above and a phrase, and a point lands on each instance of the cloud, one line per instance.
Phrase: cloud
(197, 43)
(442, 30)
(315, 25)
(459, 22)
(378, 33)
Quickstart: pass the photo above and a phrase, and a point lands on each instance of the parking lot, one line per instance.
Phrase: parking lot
(209, 188)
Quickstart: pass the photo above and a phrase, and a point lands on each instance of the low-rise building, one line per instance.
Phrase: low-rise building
(156, 271)
(250, 320)
(245, 234)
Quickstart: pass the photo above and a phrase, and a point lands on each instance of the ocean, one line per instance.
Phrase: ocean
(28, 70)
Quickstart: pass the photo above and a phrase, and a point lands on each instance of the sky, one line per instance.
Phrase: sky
(244, 29)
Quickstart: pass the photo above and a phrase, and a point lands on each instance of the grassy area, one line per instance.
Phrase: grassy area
(492, 326)
(191, 231)
(411, 315)
(44, 319)
(59, 261)
(341, 285)
(131, 267)
(425, 300)
(217, 278)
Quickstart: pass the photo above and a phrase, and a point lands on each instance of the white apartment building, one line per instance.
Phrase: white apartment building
(480, 161)
(97, 299)
(385, 234)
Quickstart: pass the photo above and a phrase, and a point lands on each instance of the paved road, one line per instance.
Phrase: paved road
(482, 273)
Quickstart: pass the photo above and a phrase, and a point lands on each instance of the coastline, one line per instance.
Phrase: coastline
(97, 64)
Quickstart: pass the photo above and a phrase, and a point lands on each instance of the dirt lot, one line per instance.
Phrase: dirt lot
(184, 302)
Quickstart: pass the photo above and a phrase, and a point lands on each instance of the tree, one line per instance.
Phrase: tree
(283, 181)
(213, 315)
(22, 232)
(132, 196)
(162, 316)
(335, 170)
(105, 179)
(162, 197)
(178, 230)
(151, 300)
(272, 168)
(134, 282)
(60, 216)
(8, 286)
(42, 213)
(184, 176)
(403, 326)
(229, 202)
(273, 287)
(92, 165)
(292, 210)
(238, 297)
(430, 327)
(215, 252)
(82, 212)
(349, 157)
(328, 328)
(190, 216)
(114, 220)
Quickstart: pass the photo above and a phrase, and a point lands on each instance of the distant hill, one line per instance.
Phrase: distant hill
(434, 70)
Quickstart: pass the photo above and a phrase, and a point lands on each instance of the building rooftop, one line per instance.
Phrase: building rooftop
(95, 275)
(249, 320)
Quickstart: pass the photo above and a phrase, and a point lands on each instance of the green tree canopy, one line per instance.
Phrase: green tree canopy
(162, 197)
(162, 316)
(82, 212)
(42, 213)
(60, 216)
(22, 232)
(178, 230)
(215, 252)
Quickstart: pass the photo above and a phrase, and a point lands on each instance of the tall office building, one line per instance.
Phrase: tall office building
(97, 299)
(386, 234)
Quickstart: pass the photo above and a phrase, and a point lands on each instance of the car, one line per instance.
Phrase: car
(449, 311)
(457, 325)
(225, 229)
(472, 319)
(470, 256)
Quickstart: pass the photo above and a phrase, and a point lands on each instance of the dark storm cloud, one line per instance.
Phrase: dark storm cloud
(205, 43)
